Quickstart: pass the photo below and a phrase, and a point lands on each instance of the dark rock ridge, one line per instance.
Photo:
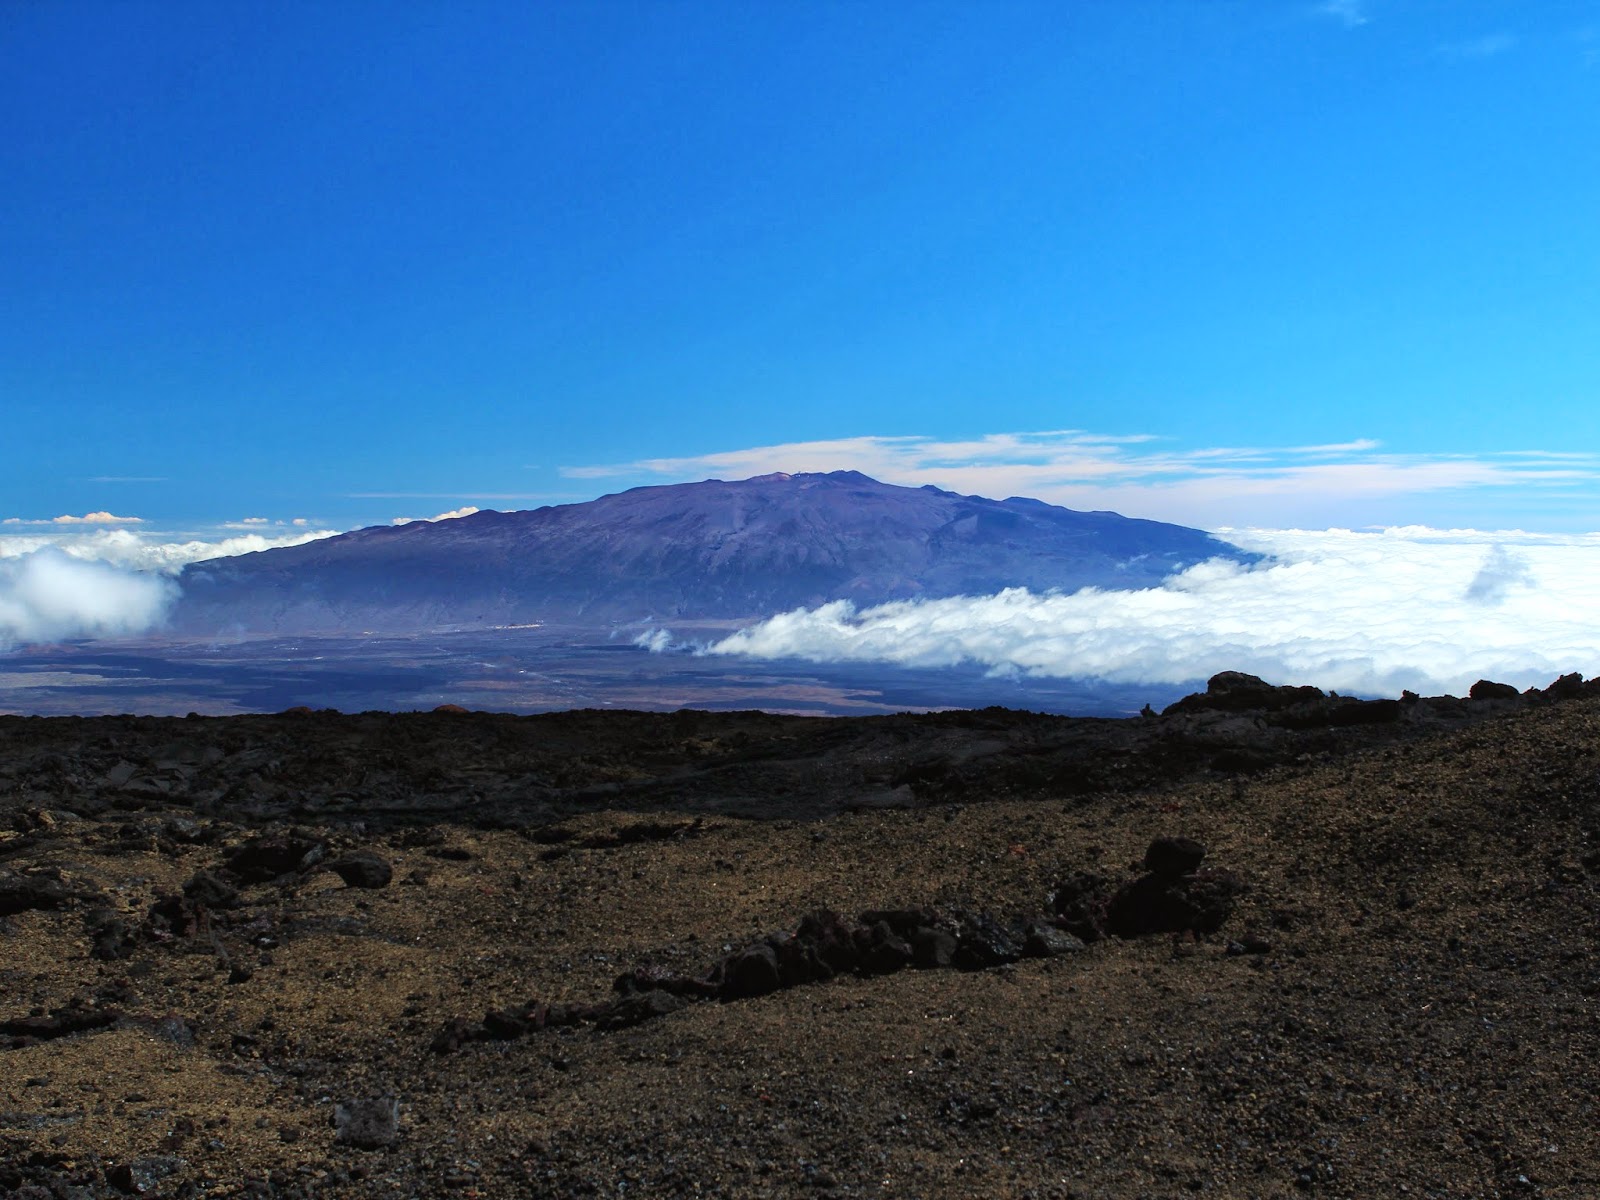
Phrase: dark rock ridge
(494, 770)
(1173, 897)
(714, 550)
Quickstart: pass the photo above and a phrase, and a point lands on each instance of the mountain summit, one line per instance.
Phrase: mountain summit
(715, 550)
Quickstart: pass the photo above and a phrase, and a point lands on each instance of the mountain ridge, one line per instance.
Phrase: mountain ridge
(717, 549)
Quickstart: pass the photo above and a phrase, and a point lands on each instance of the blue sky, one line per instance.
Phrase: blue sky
(1224, 263)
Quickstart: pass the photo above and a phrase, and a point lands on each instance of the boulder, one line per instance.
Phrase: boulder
(1172, 857)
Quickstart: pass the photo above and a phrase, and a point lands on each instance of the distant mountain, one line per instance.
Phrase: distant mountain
(724, 550)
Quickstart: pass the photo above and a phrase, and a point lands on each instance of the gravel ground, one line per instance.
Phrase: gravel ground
(1404, 999)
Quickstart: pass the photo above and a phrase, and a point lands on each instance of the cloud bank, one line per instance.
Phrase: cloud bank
(1373, 613)
(140, 551)
(48, 594)
(1342, 483)
(105, 582)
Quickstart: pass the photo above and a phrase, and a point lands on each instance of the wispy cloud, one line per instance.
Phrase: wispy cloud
(1481, 47)
(465, 511)
(464, 496)
(1141, 475)
(94, 518)
(1364, 612)
(1351, 12)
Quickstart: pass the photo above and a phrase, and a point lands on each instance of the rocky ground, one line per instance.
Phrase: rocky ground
(1269, 943)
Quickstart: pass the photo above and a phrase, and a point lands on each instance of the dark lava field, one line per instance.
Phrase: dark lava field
(1266, 943)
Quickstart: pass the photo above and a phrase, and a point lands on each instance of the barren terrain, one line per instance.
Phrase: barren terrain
(744, 954)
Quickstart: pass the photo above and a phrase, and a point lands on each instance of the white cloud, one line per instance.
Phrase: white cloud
(139, 550)
(1351, 12)
(48, 594)
(1430, 610)
(96, 518)
(465, 511)
(1352, 482)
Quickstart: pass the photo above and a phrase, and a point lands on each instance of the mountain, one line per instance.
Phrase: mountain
(714, 550)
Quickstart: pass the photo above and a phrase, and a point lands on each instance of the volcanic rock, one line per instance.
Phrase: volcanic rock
(1486, 689)
(370, 1122)
(265, 858)
(751, 972)
(362, 869)
(1171, 857)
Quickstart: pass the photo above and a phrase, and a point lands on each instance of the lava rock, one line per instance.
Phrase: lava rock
(20, 892)
(1046, 941)
(142, 1176)
(1174, 857)
(933, 948)
(110, 936)
(370, 1123)
(885, 952)
(635, 1010)
(832, 938)
(269, 857)
(1198, 903)
(1486, 689)
(1234, 691)
(751, 972)
(26, 1031)
(362, 869)
(982, 943)
(1567, 687)
(1079, 903)
(211, 890)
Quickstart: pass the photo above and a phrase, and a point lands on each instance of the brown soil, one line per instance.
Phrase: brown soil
(1404, 1001)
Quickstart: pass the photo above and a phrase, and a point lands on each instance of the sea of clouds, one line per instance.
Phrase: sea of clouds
(1360, 612)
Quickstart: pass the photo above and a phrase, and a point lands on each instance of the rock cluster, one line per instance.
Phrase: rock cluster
(1173, 897)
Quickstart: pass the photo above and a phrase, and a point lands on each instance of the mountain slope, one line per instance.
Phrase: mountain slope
(723, 550)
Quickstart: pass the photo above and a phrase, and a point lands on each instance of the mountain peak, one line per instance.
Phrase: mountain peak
(718, 550)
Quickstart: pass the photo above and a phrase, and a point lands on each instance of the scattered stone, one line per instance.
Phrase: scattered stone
(371, 1122)
(1174, 857)
(21, 891)
(109, 933)
(143, 1176)
(362, 869)
(28, 1031)
(1046, 941)
(269, 857)
(211, 890)
(1249, 944)
(184, 829)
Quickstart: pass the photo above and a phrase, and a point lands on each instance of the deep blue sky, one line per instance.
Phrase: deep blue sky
(350, 261)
